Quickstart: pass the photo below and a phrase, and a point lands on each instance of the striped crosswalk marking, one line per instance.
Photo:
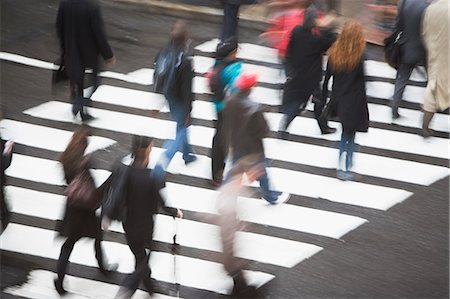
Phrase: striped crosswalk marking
(199, 232)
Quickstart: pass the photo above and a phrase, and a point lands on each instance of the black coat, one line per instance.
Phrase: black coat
(78, 221)
(239, 2)
(409, 18)
(304, 63)
(348, 97)
(245, 126)
(142, 201)
(82, 36)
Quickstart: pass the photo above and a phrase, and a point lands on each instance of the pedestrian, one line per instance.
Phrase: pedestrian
(230, 224)
(348, 94)
(435, 35)
(231, 17)
(227, 68)
(82, 38)
(78, 221)
(412, 52)
(142, 200)
(304, 70)
(245, 127)
(6, 149)
(177, 89)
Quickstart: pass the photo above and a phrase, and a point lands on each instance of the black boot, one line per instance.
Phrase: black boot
(59, 287)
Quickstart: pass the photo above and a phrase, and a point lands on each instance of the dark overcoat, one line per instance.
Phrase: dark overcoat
(409, 18)
(348, 97)
(82, 36)
(304, 64)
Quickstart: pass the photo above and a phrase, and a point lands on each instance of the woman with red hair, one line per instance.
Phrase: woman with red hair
(349, 100)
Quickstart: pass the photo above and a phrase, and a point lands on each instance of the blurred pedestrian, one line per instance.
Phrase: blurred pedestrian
(6, 149)
(412, 52)
(82, 39)
(245, 127)
(435, 35)
(348, 94)
(231, 17)
(142, 200)
(230, 224)
(79, 218)
(221, 81)
(304, 70)
(177, 89)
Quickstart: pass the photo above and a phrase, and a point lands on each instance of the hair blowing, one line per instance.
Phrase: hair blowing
(71, 158)
(346, 52)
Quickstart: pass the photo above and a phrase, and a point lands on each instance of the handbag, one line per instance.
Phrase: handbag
(82, 193)
(393, 43)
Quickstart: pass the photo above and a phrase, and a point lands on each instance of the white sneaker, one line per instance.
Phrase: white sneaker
(282, 198)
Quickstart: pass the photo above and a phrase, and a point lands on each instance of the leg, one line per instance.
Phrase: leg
(342, 149)
(230, 21)
(268, 195)
(350, 149)
(142, 269)
(427, 117)
(63, 261)
(401, 80)
(218, 154)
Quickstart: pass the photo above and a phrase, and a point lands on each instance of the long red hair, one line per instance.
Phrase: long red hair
(346, 52)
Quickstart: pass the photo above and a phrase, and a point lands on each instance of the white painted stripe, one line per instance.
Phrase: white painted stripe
(385, 90)
(205, 110)
(40, 285)
(47, 138)
(27, 61)
(286, 216)
(265, 74)
(209, 275)
(190, 233)
(383, 70)
(45, 171)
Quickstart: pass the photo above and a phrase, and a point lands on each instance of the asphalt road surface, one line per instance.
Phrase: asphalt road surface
(385, 237)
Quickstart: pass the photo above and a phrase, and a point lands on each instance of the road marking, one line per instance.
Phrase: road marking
(202, 136)
(385, 90)
(208, 275)
(38, 136)
(40, 285)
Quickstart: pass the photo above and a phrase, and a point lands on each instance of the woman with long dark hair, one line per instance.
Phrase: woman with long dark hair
(78, 221)
(349, 100)
(142, 199)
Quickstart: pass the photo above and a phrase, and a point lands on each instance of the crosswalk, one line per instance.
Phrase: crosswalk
(393, 159)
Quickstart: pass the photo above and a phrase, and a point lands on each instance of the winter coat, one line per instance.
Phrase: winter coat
(304, 63)
(239, 2)
(82, 36)
(245, 126)
(228, 72)
(78, 221)
(142, 201)
(348, 97)
(435, 34)
(410, 14)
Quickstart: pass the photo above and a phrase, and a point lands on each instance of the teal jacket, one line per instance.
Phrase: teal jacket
(228, 77)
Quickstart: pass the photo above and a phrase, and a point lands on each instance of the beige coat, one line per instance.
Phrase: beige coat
(435, 34)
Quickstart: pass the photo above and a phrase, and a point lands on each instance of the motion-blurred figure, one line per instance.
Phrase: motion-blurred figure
(82, 38)
(348, 94)
(221, 81)
(78, 221)
(435, 35)
(6, 148)
(142, 200)
(412, 52)
(245, 127)
(231, 17)
(177, 89)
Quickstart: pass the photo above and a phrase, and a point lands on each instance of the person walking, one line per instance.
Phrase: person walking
(6, 149)
(227, 68)
(82, 38)
(435, 36)
(78, 221)
(231, 17)
(304, 70)
(177, 89)
(142, 199)
(412, 52)
(245, 128)
(348, 94)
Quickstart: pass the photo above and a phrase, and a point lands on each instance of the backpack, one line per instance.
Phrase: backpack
(165, 66)
(215, 82)
(114, 197)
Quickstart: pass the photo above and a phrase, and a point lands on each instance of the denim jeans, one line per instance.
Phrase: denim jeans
(347, 144)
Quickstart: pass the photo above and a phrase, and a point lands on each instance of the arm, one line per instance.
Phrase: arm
(99, 33)
(186, 76)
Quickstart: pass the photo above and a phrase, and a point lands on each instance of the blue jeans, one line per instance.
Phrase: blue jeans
(347, 144)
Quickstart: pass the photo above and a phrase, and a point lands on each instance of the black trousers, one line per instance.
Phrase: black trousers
(79, 101)
(218, 151)
(230, 21)
(67, 248)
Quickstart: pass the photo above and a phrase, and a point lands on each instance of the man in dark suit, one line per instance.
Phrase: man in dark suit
(82, 38)
(412, 52)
